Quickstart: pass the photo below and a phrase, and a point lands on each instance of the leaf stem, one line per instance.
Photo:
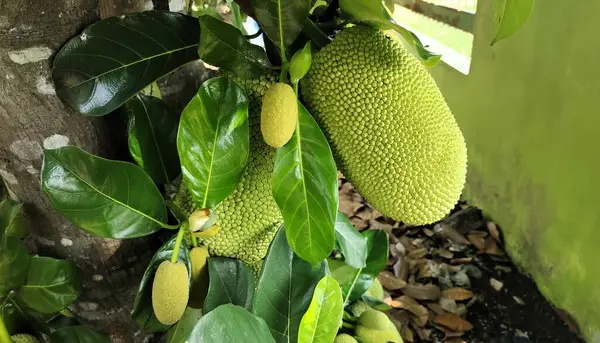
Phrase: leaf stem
(178, 244)
(283, 74)
(194, 240)
(4, 336)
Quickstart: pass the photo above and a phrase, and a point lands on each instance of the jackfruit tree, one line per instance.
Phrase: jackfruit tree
(241, 187)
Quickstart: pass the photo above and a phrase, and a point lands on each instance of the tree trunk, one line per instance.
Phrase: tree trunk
(33, 118)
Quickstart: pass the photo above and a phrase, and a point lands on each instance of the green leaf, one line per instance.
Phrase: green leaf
(285, 289)
(323, 318)
(390, 5)
(350, 242)
(375, 303)
(305, 188)
(231, 324)
(213, 141)
(152, 90)
(11, 219)
(13, 316)
(77, 334)
(110, 199)
(300, 63)
(152, 136)
(14, 264)
(224, 46)
(375, 14)
(282, 20)
(142, 312)
(356, 281)
(182, 331)
(510, 16)
(238, 18)
(51, 285)
(231, 282)
(113, 59)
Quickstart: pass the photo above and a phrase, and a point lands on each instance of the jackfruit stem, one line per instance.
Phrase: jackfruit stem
(284, 70)
(178, 244)
(4, 336)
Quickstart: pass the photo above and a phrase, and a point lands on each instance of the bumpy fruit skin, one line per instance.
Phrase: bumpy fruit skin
(199, 259)
(23, 338)
(279, 114)
(390, 128)
(170, 292)
(249, 217)
(358, 308)
(375, 327)
(344, 338)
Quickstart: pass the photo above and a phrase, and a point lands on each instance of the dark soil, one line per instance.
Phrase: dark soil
(514, 311)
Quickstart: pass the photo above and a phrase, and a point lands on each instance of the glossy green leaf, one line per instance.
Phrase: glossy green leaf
(142, 312)
(375, 14)
(111, 199)
(510, 16)
(350, 242)
(14, 264)
(375, 303)
(285, 289)
(356, 281)
(231, 282)
(213, 141)
(182, 331)
(11, 219)
(323, 318)
(113, 59)
(224, 46)
(51, 285)
(300, 63)
(78, 334)
(152, 136)
(281, 20)
(305, 188)
(231, 324)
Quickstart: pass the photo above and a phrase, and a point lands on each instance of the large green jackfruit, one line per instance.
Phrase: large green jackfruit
(249, 217)
(375, 327)
(391, 131)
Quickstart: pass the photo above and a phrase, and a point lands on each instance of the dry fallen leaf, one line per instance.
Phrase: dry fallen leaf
(477, 241)
(452, 322)
(435, 308)
(448, 334)
(491, 247)
(417, 253)
(422, 292)
(407, 335)
(497, 285)
(450, 233)
(461, 310)
(455, 340)
(389, 281)
(448, 305)
(401, 268)
(419, 321)
(457, 293)
(445, 253)
(461, 260)
(493, 229)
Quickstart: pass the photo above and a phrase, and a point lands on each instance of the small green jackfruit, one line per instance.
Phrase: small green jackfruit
(170, 291)
(24, 338)
(375, 327)
(199, 259)
(373, 98)
(344, 338)
(249, 217)
(279, 114)
(358, 308)
(376, 290)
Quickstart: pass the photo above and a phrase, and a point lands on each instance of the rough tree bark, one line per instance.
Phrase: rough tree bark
(33, 118)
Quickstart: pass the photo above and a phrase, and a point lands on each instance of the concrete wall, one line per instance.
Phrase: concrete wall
(530, 112)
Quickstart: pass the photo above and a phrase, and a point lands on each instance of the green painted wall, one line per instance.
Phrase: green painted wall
(530, 112)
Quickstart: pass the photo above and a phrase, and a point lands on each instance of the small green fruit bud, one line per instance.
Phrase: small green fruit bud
(198, 258)
(344, 338)
(23, 338)
(170, 292)
(375, 327)
(279, 114)
(358, 308)
(300, 63)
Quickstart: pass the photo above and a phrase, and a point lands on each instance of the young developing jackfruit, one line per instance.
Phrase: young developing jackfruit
(375, 327)
(358, 308)
(199, 259)
(391, 131)
(24, 338)
(170, 292)
(344, 338)
(249, 217)
(279, 114)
